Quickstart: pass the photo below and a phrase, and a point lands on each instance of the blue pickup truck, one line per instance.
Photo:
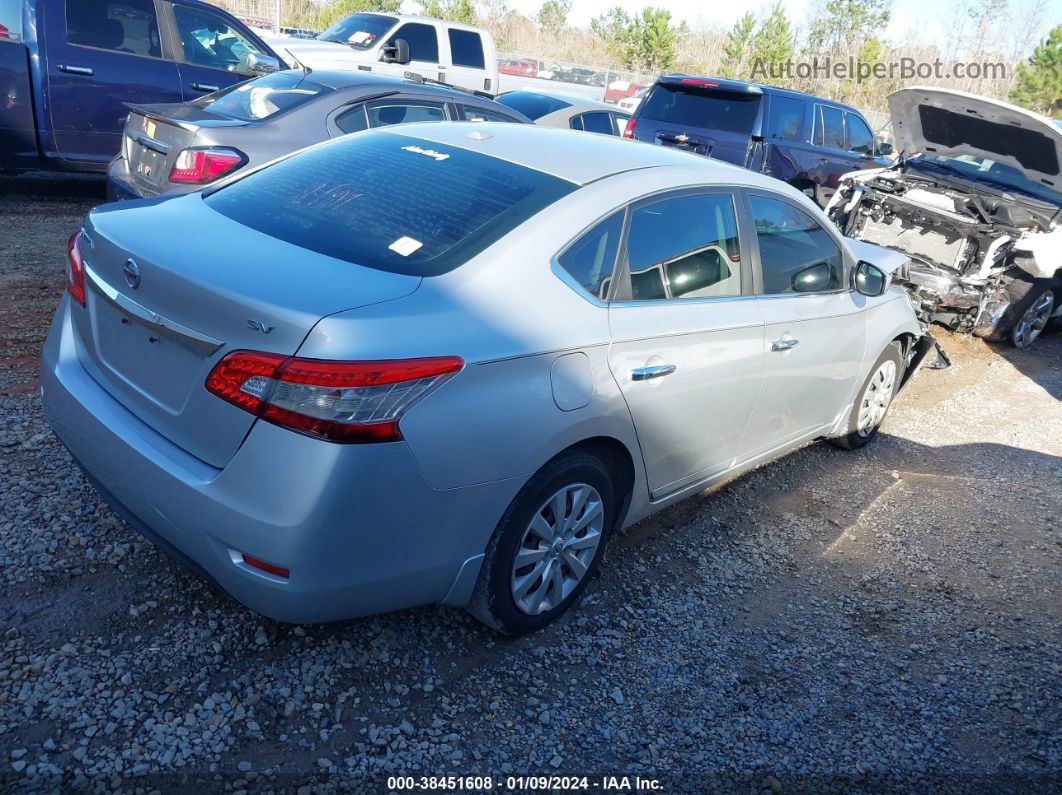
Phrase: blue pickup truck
(68, 68)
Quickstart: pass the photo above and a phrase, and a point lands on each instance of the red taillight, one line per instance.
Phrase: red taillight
(352, 402)
(280, 571)
(204, 165)
(695, 82)
(75, 272)
(628, 131)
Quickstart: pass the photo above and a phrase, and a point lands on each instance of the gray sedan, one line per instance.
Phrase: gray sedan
(566, 111)
(445, 362)
(169, 149)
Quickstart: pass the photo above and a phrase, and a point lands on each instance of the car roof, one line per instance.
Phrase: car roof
(755, 88)
(343, 79)
(579, 104)
(418, 18)
(573, 155)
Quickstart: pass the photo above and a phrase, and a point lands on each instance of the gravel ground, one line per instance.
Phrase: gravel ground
(879, 620)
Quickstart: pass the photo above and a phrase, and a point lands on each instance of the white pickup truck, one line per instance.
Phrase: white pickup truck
(395, 44)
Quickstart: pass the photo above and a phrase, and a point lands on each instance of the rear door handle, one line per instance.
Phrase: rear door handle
(656, 371)
(204, 87)
(75, 70)
(784, 344)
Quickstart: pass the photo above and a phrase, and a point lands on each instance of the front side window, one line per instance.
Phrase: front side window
(829, 127)
(860, 138)
(591, 258)
(386, 112)
(787, 118)
(262, 98)
(422, 40)
(796, 254)
(208, 39)
(10, 20)
(360, 31)
(128, 26)
(597, 122)
(466, 48)
(685, 247)
(390, 202)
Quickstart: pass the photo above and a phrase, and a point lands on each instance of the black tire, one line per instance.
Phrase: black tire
(492, 600)
(1024, 291)
(854, 439)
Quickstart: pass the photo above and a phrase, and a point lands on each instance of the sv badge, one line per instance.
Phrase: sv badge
(258, 325)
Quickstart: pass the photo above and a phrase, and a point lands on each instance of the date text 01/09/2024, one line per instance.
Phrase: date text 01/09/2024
(524, 783)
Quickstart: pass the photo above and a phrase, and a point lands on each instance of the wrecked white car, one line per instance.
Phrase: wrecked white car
(974, 201)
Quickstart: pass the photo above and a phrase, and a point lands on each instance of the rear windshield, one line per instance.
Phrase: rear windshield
(694, 106)
(390, 202)
(530, 104)
(263, 97)
(360, 31)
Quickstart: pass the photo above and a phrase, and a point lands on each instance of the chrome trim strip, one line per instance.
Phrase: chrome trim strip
(190, 338)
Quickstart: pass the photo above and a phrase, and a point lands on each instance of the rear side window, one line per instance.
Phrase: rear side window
(695, 106)
(860, 138)
(796, 254)
(386, 112)
(353, 120)
(466, 48)
(422, 40)
(685, 247)
(390, 202)
(786, 119)
(471, 113)
(532, 105)
(11, 20)
(128, 26)
(262, 98)
(829, 130)
(597, 122)
(590, 259)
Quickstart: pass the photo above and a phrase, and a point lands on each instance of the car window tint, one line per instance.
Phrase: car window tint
(353, 120)
(422, 40)
(389, 202)
(207, 39)
(386, 112)
(469, 113)
(262, 98)
(591, 258)
(121, 25)
(11, 20)
(685, 247)
(829, 130)
(597, 122)
(794, 249)
(531, 104)
(466, 48)
(698, 106)
(787, 118)
(860, 139)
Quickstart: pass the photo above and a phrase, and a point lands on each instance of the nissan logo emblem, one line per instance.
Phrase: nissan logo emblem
(132, 273)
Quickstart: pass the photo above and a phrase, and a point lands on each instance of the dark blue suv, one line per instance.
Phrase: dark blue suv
(807, 141)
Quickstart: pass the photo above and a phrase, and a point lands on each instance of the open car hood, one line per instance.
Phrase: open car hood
(952, 123)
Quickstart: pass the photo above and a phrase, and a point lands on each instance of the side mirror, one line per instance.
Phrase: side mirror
(256, 63)
(870, 280)
(396, 52)
(812, 279)
(884, 148)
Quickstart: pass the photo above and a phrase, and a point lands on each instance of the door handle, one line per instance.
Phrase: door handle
(784, 344)
(203, 87)
(75, 70)
(656, 371)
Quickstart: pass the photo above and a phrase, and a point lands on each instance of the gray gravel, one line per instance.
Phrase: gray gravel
(880, 620)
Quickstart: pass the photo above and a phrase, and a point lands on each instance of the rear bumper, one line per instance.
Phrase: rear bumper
(118, 186)
(357, 525)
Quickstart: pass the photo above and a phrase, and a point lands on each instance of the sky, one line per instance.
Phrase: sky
(931, 19)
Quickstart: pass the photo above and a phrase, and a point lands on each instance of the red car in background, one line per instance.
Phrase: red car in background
(524, 67)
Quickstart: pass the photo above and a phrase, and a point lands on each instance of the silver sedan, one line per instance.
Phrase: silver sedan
(445, 362)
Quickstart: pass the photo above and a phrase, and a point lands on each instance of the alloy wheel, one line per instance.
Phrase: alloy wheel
(1034, 320)
(557, 548)
(876, 398)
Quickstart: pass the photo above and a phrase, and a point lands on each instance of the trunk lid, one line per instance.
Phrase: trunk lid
(156, 134)
(204, 286)
(954, 123)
